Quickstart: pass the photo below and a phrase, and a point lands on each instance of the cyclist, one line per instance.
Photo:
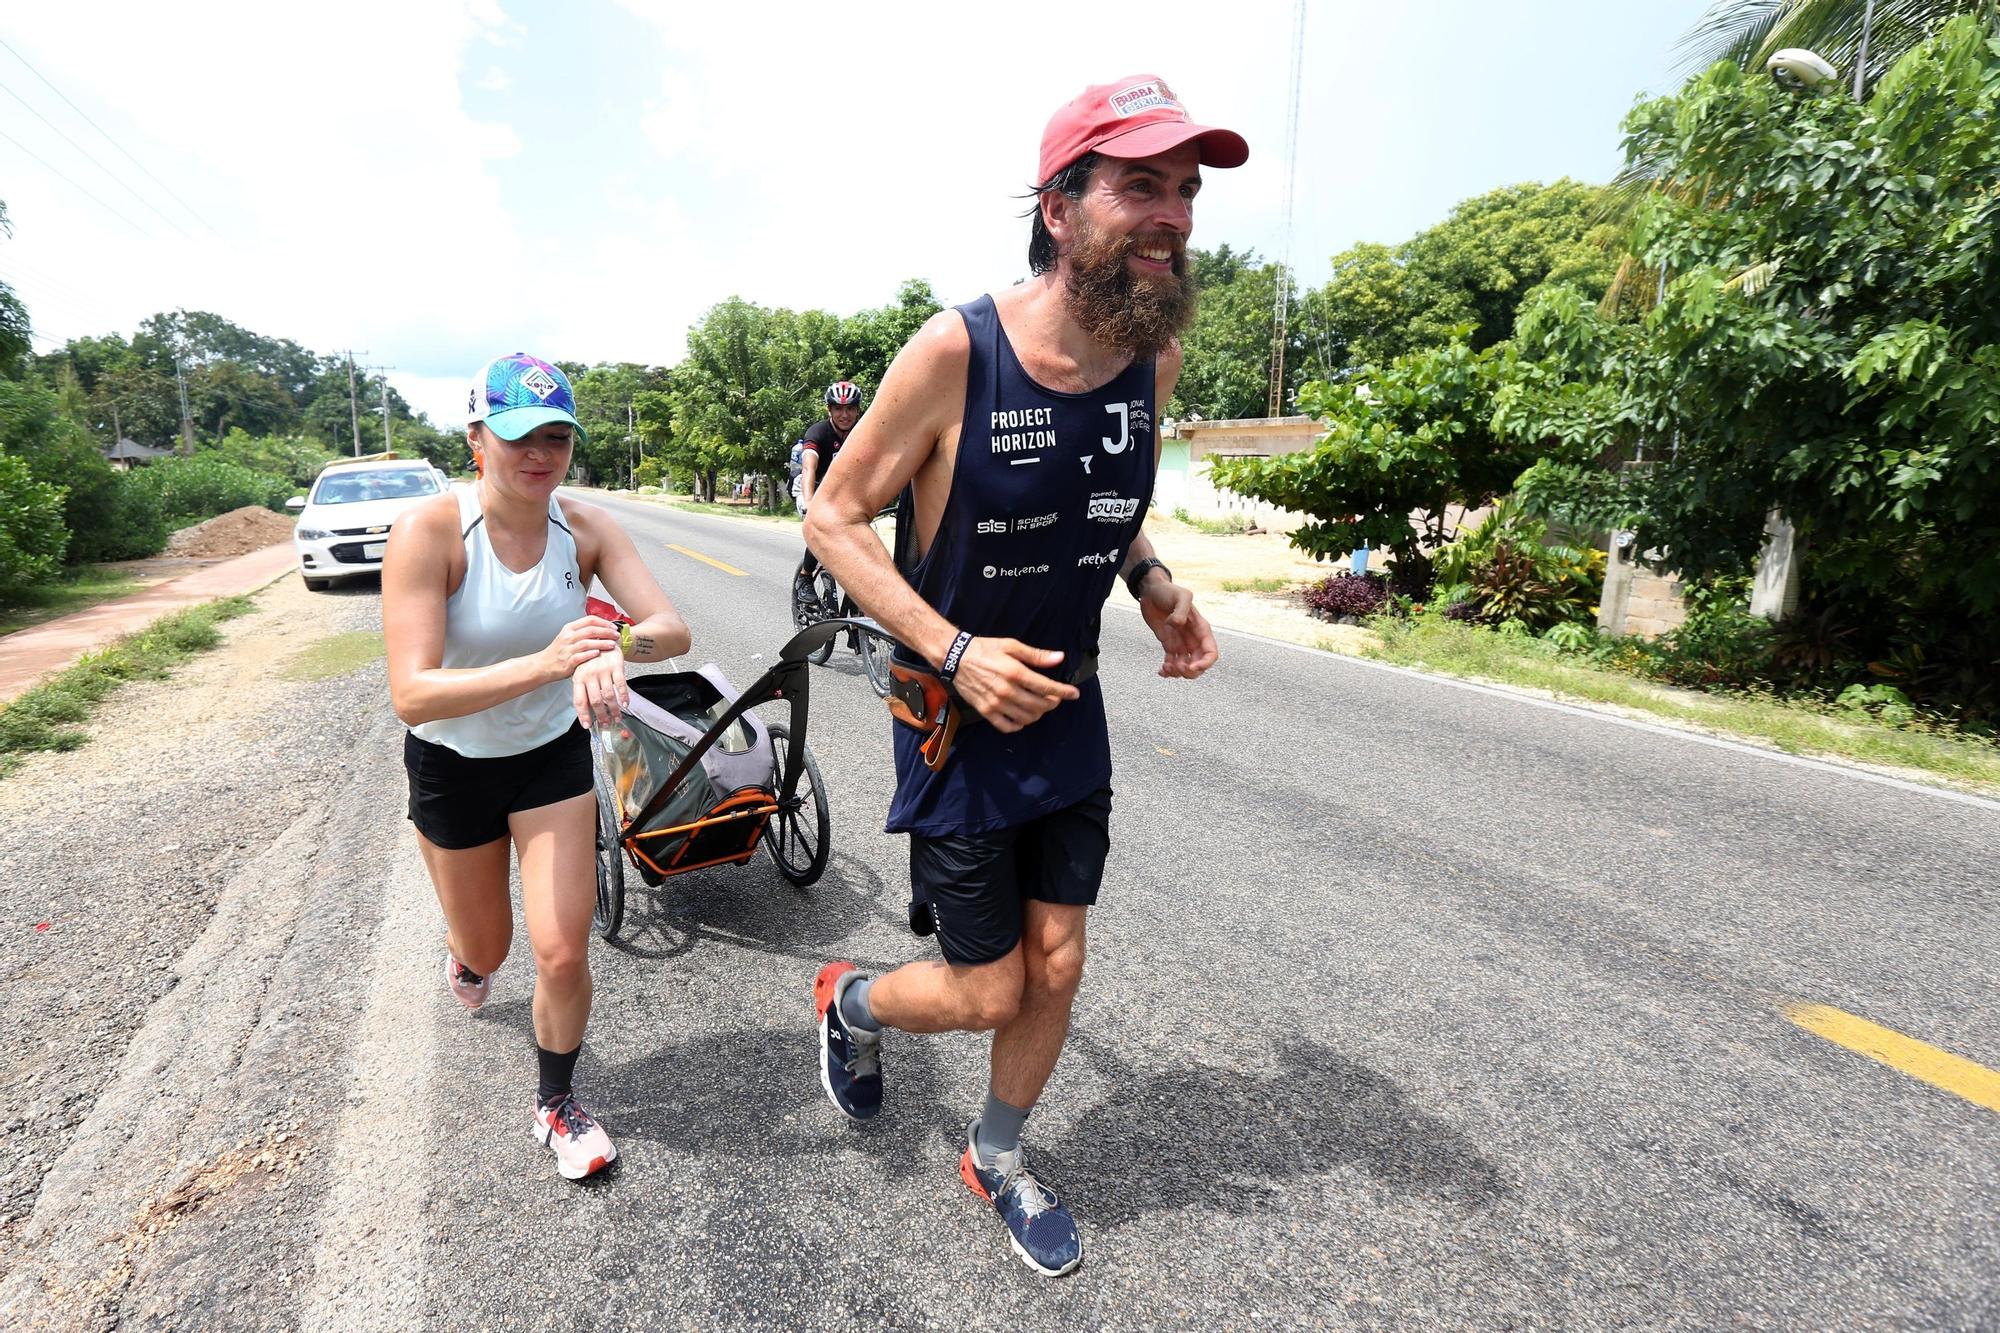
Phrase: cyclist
(817, 450)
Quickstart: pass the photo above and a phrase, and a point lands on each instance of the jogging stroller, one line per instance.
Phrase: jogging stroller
(690, 777)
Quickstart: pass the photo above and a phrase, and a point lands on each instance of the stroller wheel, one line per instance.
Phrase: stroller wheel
(799, 836)
(609, 914)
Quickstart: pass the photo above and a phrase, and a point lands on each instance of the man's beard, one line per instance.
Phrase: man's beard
(1141, 314)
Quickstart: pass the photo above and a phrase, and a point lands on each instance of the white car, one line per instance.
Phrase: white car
(344, 522)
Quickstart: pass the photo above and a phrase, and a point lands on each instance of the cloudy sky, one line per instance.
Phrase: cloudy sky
(433, 182)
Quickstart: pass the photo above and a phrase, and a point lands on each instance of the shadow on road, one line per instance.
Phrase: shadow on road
(1176, 1136)
(752, 1093)
(751, 907)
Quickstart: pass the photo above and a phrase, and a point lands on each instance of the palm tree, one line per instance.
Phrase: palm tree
(1866, 36)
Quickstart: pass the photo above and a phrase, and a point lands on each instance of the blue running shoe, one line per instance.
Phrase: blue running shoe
(1039, 1227)
(850, 1061)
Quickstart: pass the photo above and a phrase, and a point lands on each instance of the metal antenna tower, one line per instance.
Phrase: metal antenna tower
(1275, 401)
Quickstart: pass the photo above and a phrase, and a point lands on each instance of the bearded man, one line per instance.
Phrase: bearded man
(1024, 422)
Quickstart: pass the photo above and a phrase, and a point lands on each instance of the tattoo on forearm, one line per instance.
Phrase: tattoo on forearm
(643, 643)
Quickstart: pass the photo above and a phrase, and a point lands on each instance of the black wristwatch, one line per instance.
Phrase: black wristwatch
(1135, 577)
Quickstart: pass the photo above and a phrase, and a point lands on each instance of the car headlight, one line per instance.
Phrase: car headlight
(312, 534)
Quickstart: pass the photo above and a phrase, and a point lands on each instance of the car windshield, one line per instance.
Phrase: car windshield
(346, 488)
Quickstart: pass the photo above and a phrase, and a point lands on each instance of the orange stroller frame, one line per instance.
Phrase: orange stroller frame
(720, 801)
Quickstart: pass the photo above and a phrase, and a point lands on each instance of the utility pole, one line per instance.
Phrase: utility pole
(1274, 401)
(187, 417)
(631, 451)
(353, 406)
(387, 443)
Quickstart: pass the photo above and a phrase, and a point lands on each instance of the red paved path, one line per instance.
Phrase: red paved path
(30, 654)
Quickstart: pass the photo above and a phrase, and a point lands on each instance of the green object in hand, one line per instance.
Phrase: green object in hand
(625, 640)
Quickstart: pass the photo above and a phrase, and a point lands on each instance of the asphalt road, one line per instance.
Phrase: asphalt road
(1407, 1005)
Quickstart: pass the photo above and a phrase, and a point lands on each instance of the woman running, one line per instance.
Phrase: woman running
(497, 670)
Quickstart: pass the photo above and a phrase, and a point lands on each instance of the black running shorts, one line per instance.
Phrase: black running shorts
(458, 802)
(978, 883)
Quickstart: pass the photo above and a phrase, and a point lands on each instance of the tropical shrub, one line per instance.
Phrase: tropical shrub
(32, 536)
(1507, 570)
(207, 484)
(1720, 642)
(1345, 595)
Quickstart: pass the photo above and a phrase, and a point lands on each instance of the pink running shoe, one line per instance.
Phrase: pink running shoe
(467, 985)
(581, 1146)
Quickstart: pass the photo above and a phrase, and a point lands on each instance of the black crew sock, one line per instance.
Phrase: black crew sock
(557, 1069)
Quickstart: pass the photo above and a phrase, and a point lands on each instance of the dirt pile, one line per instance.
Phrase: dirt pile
(238, 532)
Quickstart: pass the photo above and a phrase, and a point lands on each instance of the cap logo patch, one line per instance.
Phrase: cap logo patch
(1143, 97)
(538, 382)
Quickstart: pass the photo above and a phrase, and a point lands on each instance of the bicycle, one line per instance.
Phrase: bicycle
(832, 602)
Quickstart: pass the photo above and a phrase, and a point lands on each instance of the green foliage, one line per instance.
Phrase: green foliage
(208, 484)
(1749, 32)
(32, 536)
(650, 472)
(1509, 572)
(46, 717)
(1720, 642)
(1227, 352)
(1475, 268)
(1411, 439)
(1883, 701)
(297, 459)
(1828, 345)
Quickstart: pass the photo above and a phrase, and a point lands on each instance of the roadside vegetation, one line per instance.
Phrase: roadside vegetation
(51, 715)
(1791, 321)
(76, 588)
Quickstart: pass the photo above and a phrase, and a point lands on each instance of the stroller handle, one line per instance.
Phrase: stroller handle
(814, 636)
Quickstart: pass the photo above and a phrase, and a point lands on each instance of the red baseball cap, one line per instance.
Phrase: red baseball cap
(1136, 116)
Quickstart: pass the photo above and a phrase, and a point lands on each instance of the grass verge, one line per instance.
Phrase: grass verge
(50, 716)
(1796, 727)
(1256, 585)
(729, 511)
(335, 656)
(74, 591)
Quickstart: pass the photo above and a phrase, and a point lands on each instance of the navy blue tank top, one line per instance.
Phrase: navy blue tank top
(1048, 491)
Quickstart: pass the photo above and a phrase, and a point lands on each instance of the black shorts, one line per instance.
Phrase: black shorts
(458, 802)
(978, 884)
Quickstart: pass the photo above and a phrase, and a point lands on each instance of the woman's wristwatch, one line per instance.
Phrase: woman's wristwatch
(1135, 578)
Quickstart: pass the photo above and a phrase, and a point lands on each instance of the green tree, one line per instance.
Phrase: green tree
(32, 535)
(1828, 345)
(1404, 445)
(1748, 32)
(1227, 367)
(867, 341)
(1475, 267)
(15, 343)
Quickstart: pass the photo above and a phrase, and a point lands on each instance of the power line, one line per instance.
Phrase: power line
(108, 139)
(1275, 398)
(78, 188)
(93, 161)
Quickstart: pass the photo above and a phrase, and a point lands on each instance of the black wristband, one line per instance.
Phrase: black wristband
(952, 655)
(1136, 576)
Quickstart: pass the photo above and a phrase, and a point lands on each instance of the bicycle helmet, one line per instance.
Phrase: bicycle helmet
(843, 393)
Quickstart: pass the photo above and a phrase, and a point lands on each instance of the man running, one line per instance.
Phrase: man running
(1025, 422)
(817, 450)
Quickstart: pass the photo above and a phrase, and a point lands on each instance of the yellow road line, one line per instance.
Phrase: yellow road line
(697, 555)
(1954, 1073)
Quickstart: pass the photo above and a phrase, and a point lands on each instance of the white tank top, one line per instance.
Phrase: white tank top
(497, 614)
